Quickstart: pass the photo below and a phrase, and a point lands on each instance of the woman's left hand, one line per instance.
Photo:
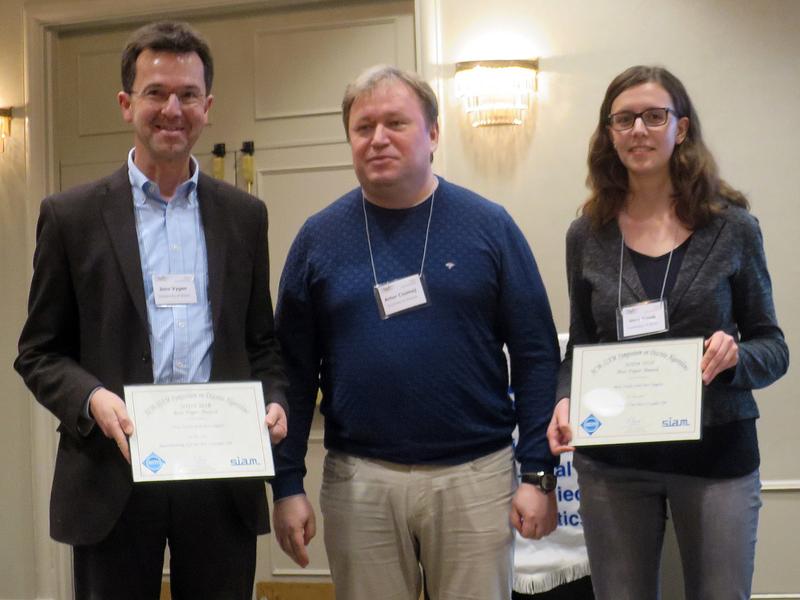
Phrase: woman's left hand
(722, 352)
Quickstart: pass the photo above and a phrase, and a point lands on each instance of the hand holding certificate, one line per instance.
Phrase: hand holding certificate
(636, 392)
(202, 431)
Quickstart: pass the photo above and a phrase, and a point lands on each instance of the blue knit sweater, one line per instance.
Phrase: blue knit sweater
(428, 386)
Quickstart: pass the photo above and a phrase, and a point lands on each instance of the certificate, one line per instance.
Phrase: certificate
(636, 392)
(198, 431)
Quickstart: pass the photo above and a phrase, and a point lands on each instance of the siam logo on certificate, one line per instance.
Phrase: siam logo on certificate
(153, 462)
(591, 424)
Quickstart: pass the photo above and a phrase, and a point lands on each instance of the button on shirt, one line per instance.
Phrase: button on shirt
(171, 241)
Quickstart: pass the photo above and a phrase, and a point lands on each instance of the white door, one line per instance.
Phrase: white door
(279, 80)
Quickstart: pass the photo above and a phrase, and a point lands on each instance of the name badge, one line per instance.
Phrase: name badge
(400, 295)
(174, 290)
(642, 318)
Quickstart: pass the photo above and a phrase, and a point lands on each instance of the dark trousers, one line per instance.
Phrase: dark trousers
(212, 554)
(580, 589)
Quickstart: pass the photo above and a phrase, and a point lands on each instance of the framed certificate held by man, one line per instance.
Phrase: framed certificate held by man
(198, 431)
(636, 392)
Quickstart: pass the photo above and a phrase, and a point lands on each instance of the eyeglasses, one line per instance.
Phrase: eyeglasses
(188, 98)
(652, 117)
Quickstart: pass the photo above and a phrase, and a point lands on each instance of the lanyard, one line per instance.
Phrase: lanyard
(369, 242)
(622, 254)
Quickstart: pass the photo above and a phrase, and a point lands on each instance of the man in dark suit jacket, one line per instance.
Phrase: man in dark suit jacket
(95, 325)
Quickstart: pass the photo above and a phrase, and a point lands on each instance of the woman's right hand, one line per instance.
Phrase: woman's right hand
(559, 435)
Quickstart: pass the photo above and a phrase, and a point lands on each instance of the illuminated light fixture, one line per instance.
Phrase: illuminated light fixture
(5, 126)
(496, 92)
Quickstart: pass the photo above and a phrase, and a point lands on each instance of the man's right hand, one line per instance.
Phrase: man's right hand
(295, 526)
(109, 412)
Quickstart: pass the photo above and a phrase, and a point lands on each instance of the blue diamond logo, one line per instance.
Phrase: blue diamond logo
(591, 424)
(154, 462)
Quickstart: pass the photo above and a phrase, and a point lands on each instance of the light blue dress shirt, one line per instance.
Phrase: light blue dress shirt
(171, 241)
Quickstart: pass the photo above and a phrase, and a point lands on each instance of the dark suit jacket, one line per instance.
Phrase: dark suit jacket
(87, 326)
(723, 284)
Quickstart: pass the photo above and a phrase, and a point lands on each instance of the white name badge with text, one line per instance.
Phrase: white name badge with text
(641, 319)
(400, 295)
(174, 290)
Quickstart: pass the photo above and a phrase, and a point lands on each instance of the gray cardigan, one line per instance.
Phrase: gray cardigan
(723, 284)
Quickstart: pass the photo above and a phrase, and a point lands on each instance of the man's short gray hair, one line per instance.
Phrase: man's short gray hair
(374, 76)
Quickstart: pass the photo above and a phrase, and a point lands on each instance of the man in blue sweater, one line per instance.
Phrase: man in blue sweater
(396, 301)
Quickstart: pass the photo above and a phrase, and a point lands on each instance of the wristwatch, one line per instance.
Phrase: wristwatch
(543, 480)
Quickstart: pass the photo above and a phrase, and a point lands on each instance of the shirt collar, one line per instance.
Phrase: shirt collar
(149, 189)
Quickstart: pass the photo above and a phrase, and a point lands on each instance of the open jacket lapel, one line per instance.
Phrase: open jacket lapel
(213, 215)
(610, 238)
(116, 206)
(702, 242)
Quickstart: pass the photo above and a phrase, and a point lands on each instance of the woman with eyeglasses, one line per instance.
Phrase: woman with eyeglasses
(662, 232)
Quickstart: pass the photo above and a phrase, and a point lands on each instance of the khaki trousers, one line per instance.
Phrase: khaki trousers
(387, 525)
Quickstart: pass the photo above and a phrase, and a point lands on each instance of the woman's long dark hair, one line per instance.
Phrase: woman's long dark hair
(698, 189)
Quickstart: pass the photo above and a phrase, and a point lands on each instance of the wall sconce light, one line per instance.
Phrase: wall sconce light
(5, 126)
(496, 92)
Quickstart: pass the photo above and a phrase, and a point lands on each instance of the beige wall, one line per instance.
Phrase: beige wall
(16, 515)
(738, 60)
